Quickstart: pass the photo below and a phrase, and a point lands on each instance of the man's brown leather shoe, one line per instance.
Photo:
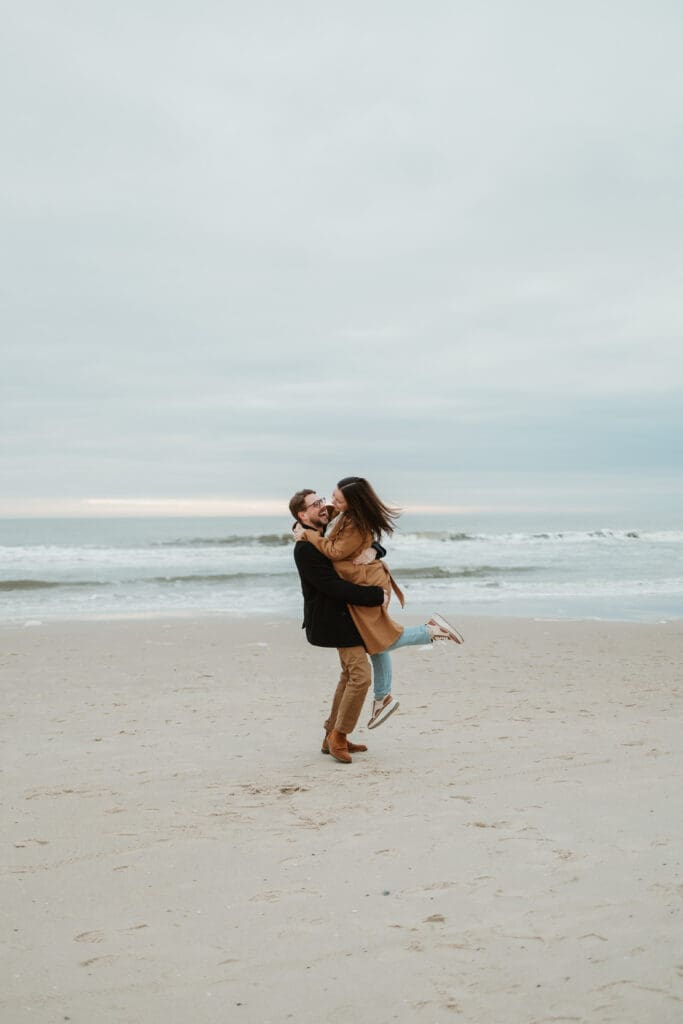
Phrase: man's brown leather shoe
(353, 748)
(339, 747)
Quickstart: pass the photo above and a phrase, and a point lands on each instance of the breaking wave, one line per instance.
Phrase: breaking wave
(7, 585)
(267, 540)
(435, 572)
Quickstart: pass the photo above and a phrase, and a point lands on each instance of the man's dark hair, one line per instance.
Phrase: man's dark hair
(298, 502)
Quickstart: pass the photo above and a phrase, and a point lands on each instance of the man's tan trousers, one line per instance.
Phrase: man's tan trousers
(349, 697)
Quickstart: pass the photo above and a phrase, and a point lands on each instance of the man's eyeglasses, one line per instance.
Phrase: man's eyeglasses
(317, 504)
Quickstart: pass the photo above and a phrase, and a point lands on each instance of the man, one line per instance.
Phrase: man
(328, 624)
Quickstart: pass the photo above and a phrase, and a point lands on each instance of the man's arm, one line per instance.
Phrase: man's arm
(371, 554)
(320, 573)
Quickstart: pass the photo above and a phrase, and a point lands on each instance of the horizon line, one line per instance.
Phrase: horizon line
(74, 508)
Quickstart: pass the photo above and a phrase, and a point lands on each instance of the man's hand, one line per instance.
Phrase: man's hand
(365, 557)
(298, 531)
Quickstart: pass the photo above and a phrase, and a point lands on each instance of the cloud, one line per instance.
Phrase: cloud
(249, 244)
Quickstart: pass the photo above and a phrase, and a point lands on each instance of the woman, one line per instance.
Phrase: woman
(361, 517)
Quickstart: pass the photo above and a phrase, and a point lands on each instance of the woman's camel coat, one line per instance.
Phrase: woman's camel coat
(376, 627)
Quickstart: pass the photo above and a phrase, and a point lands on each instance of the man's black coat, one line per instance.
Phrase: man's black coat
(326, 617)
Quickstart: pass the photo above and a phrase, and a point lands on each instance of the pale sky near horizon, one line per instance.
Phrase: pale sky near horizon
(249, 248)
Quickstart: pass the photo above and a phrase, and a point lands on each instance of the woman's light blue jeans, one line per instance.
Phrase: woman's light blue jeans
(381, 663)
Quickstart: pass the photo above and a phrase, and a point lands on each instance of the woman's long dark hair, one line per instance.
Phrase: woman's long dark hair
(365, 509)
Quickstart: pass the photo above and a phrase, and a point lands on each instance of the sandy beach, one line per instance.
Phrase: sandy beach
(177, 849)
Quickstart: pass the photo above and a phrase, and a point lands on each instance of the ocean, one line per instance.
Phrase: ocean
(555, 566)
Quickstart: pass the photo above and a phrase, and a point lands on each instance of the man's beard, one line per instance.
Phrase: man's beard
(319, 523)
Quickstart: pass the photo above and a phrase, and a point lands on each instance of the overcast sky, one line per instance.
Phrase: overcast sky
(252, 247)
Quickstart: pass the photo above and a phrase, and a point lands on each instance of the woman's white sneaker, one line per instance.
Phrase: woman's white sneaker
(381, 709)
(442, 630)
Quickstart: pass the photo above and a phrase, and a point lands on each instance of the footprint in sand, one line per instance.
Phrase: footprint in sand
(89, 937)
(488, 824)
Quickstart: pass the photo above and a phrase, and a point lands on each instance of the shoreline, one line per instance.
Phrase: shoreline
(277, 618)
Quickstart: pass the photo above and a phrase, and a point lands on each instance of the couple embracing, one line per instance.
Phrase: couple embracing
(347, 587)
